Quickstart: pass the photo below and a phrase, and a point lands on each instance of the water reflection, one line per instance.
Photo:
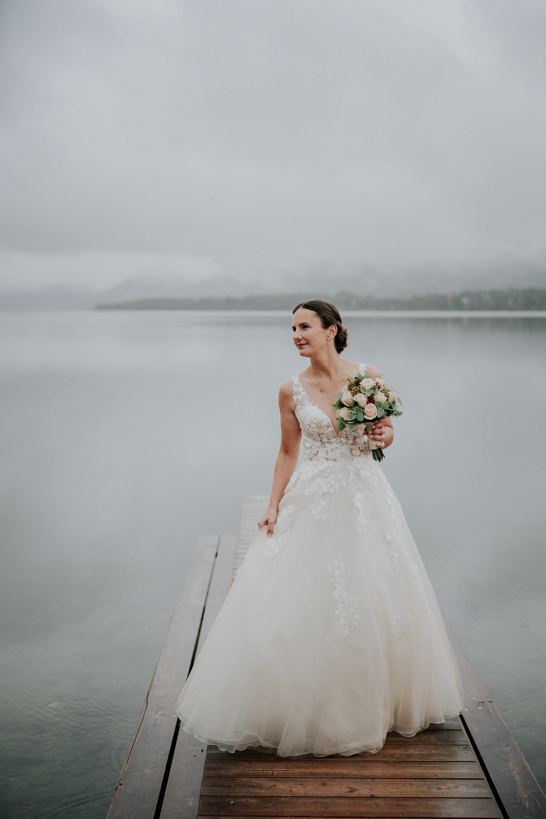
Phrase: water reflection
(127, 435)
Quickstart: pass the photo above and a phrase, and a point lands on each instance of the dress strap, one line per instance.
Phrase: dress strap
(297, 390)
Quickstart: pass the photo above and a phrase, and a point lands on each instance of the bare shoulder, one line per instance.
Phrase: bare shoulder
(287, 407)
(373, 371)
(350, 367)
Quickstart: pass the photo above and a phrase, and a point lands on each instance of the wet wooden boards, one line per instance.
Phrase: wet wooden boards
(433, 774)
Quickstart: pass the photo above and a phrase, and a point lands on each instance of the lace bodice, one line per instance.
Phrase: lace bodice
(320, 439)
(334, 462)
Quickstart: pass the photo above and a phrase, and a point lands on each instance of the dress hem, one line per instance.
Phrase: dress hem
(263, 746)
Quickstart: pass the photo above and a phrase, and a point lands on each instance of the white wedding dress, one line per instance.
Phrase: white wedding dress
(331, 635)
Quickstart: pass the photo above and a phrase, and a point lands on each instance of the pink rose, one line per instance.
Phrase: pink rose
(393, 396)
(381, 397)
(361, 399)
(347, 399)
(368, 384)
(370, 412)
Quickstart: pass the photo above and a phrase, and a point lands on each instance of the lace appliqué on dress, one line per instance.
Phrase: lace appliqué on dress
(363, 504)
(347, 607)
(281, 531)
(320, 483)
(398, 552)
(323, 478)
(400, 626)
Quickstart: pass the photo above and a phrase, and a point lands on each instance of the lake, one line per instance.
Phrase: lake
(125, 435)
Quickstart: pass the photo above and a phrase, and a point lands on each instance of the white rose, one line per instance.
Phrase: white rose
(379, 382)
(370, 412)
(368, 384)
(347, 399)
(345, 414)
(393, 396)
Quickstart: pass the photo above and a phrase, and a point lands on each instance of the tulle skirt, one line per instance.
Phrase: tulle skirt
(331, 635)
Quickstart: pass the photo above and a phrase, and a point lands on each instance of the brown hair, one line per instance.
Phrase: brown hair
(328, 315)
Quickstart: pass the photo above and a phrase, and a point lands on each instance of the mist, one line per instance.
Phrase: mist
(195, 140)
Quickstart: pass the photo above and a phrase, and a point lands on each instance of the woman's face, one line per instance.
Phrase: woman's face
(310, 337)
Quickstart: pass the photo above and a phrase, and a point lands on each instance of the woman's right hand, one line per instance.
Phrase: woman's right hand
(269, 519)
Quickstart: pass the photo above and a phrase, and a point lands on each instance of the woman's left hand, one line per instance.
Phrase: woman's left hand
(382, 433)
(379, 434)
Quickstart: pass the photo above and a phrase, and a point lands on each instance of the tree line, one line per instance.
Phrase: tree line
(513, 299)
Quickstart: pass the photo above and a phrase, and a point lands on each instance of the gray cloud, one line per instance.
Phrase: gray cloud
(251, 135)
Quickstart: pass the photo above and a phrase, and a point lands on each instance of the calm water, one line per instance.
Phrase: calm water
(126, 435)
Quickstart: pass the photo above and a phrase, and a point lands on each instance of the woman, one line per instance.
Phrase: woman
(331, 635)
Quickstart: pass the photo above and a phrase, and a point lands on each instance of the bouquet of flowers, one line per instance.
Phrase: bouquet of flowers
(366, 401)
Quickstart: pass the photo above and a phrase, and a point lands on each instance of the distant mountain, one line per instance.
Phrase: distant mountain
(326, 280)
(144, 287)
(427, 279)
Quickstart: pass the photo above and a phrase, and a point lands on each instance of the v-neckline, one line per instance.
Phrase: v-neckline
(335, 429)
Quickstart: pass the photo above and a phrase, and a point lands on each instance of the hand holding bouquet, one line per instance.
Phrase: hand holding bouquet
(366, 401)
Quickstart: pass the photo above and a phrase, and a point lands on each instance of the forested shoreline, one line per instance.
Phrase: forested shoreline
(513, 299)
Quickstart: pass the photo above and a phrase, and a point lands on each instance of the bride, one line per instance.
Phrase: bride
(331, 635)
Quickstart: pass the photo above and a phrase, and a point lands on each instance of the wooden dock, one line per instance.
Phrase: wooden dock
(468, 767)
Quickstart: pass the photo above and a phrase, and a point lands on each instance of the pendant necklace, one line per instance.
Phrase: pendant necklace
(320, 385)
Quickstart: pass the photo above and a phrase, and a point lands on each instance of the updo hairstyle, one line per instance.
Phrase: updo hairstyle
(328, 315)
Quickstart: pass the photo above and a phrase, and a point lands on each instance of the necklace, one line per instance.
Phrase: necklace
(320, 384)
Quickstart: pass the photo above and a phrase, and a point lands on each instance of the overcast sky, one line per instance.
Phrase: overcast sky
(202, 136)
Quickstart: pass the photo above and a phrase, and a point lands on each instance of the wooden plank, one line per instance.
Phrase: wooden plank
(253, 509)
(348, 787)
(430, 738)
(183, 788)
(181, 798)
(410, 753)
(343, 768)
(359, 807)
(448, 725)
(219, 587)
(507, 771)
(139, 786)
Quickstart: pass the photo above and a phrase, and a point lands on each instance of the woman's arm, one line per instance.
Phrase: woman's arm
(287, 458)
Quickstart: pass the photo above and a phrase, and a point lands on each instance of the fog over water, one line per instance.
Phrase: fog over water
(126, 435)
